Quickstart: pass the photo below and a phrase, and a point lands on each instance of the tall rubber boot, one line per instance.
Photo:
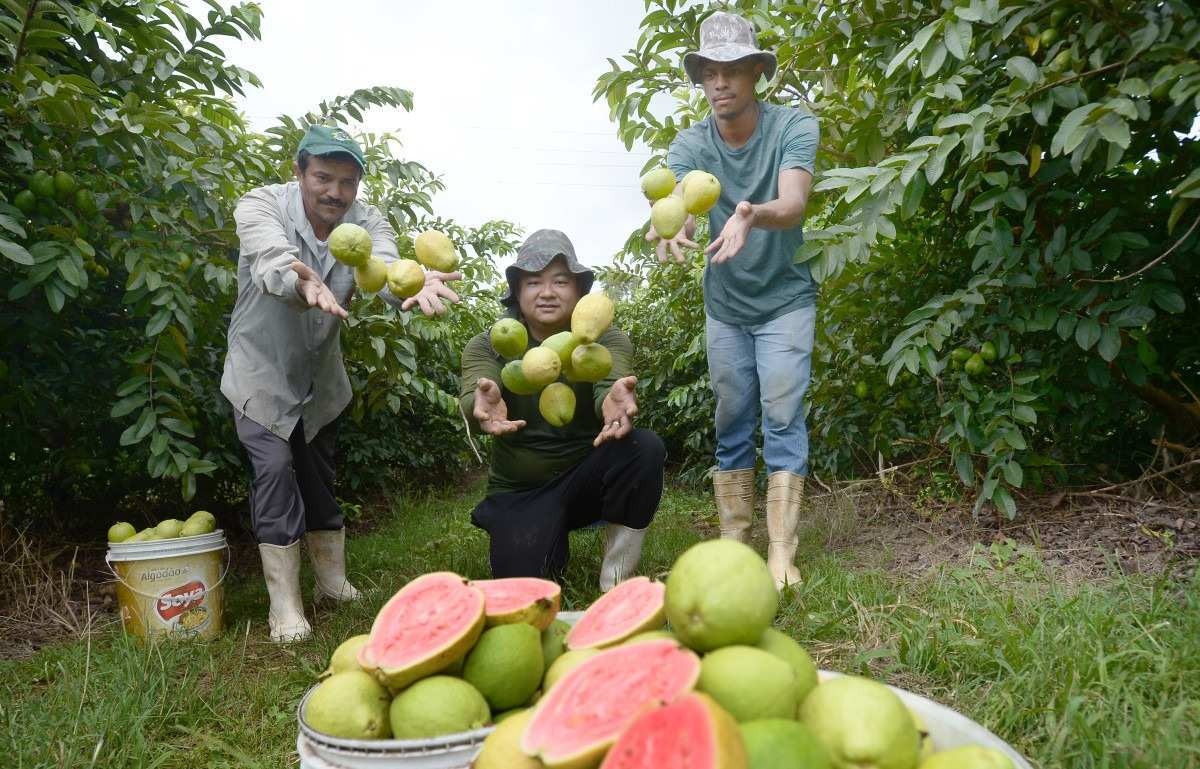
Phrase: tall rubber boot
(734, 493)
(281, 570)
(622, 552)
(328, 552)
(785, 492)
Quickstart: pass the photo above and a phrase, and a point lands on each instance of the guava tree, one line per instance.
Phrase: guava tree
(1005, 223)
(121, 157)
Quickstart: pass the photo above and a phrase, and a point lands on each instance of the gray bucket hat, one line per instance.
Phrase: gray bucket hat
(726, 37)
(538, 250)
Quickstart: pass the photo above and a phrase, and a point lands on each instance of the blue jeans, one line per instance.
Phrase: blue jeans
(763, 367)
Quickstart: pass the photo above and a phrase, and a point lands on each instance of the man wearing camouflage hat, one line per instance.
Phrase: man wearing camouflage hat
(546, 481)
(284, 373)
(760, 305)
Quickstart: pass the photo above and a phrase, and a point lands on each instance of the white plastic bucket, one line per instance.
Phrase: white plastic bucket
(171, 586)
(320, 751)
(948, 729)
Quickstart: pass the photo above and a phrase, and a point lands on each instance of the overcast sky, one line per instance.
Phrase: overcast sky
(503, 110)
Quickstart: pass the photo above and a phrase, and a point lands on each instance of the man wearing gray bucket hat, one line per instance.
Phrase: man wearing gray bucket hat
(760, 305)
(284, 373)
(545, 481)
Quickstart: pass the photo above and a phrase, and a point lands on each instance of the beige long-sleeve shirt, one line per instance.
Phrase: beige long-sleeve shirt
(285, 359)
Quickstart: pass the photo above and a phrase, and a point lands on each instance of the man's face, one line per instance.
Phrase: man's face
(548, 297)
(328, 187)
(729, 86)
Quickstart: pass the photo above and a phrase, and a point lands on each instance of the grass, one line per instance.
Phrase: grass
(1098, 674)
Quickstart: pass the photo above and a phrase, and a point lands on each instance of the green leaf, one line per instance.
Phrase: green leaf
(932, 59)
(1002, 499)
(16, 252)
(1170, 300)
(1072, 131)
(12, 225)
(1023, 68)
(54, 297)
(158, 322)
(1177, 212)
(1189, 187)
(1024, 413)
(1134, 86)
(987, 200)
(1087, 333)
(1110, 343)
(179, 426)
(1114, 130)
(1134, 316)
(965, 468)
(1013, 474)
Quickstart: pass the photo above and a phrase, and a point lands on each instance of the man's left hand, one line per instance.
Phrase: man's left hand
(618, 409)
(429, 298)
(733, 235)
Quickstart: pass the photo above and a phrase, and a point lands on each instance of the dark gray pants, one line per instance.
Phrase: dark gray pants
(292, 491)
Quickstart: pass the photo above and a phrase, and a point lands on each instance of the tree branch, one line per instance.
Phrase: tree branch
(1148, 265)
(20, 50)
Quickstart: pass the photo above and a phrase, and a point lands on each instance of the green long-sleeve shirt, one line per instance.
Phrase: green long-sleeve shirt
(539, 452)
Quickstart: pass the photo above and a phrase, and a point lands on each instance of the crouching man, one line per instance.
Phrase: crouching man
(546, 481)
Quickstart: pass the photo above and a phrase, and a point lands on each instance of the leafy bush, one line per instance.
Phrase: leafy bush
(113, 326)
(1018, 175)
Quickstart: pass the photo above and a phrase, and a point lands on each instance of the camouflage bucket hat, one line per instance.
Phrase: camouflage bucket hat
(727, 37)
(538, 250)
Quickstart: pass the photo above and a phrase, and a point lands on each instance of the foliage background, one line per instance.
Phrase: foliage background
(1020, 172)
(116, 301)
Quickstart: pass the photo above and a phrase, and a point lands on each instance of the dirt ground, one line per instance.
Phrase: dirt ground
(1081, 535)
(52, 591)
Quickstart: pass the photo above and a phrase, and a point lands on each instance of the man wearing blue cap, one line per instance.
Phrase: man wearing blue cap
(759, 304)
(284, 373)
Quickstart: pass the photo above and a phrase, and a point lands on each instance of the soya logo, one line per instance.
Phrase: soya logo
(340, 135)
(174, 602)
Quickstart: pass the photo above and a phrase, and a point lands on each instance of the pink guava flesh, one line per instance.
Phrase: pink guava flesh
(677, 736)
(527, 599)
(427, 617)
(585, 711)
(631, 607)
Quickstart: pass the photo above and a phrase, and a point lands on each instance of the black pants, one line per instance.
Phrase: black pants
(618, 482)
(292, 490)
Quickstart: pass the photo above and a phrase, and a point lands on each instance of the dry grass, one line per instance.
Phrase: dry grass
(42, 599)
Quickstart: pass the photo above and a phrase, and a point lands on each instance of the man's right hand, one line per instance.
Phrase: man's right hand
(491, 411)
(682, 240)
(313, 290)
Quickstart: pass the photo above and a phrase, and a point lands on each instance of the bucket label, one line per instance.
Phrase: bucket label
(174, 602)
(176, 594)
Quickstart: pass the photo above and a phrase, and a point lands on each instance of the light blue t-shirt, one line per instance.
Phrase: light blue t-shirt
(763, 281)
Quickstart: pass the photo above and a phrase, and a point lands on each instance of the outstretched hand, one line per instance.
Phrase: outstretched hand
(676, 244)
(618, 410)
(491, 411)
(313, 290)
(733, 235)
(429, 298)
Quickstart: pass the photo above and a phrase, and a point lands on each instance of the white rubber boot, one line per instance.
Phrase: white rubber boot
(622, 552)
(734, 493)
(327, 549)
(281, 570)
(785, 492)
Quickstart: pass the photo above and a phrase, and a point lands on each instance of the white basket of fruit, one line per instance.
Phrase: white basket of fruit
(612, 687)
